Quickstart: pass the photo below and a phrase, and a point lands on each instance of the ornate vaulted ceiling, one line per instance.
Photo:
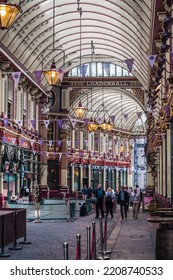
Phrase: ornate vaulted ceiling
(119, 29)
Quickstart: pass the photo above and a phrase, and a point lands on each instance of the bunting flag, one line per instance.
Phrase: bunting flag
(129, 63)
(68, 143)
(73, 122)
(139, 114)
(112, 118)
(5, 120)
(13, 140)
(4, 139)
(41, 142)
(47, 154)
(106, 66)
(151, 59)
(16, 78)
(33, 123)
(99, 120)
(46, 123)
(126, 117)
(61, 73)
(22, 141)
(50, 143)
(86, 142)
(19, 122)
(59, 122)
(86, 120)
(83, 69)
(60, 155)
(59, 143)
(38, 75)
(34, 152)
(31, 142)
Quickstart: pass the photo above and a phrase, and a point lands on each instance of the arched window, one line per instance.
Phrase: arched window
(99, 69)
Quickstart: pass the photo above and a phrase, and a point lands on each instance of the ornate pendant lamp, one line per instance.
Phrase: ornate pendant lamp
(8, 13)
(80, 111)
(92, 125)
(121, 146)
(104, 125)
(109, 126)
(53, 75)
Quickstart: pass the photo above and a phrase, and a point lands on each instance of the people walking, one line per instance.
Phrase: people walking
(84, 192)
(109, 202)
(89, 193)
(123, 199)
(139, 192)
(99, 193)
(136, 203)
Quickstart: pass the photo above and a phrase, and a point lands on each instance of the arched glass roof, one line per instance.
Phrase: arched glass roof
(119, 29)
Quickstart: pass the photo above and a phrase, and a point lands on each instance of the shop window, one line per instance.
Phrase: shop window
(92, 142)
(85, 140)
(50, 131)
(96, 141)
(9, 110)
(77, 139)
(110, 144)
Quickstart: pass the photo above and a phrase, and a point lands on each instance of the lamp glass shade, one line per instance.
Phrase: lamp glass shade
(80, 111)
(53, 76)
(121, 148)
(8, 13)
(109, 126)
(92, 126)
(104, 125)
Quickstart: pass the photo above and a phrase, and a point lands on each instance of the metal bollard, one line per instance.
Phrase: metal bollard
(103, 256)
(105, 237)
(93, 251)
(38, 213)
(65, 247)
(88, 243)
(78, 247)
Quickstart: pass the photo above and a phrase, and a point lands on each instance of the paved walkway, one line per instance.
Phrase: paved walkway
(128, 239)
(133, 239)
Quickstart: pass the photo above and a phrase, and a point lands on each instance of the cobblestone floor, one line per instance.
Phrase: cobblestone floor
(127, 239)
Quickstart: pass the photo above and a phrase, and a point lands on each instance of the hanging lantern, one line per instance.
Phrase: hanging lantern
(80, 111)
(109, 126)
(52, 75)
(8, 14)
(92, 125)
(121, 148)
(104, 125)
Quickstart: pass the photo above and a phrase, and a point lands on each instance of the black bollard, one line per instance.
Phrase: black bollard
(78, 247)
(93, 250)
(65, 247)
(88, 243)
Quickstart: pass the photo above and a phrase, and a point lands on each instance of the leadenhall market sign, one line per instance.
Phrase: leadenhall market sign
(125, 84)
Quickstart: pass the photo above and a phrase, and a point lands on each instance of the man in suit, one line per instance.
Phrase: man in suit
(123, 199)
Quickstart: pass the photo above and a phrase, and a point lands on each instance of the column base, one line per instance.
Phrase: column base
(1, 200)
